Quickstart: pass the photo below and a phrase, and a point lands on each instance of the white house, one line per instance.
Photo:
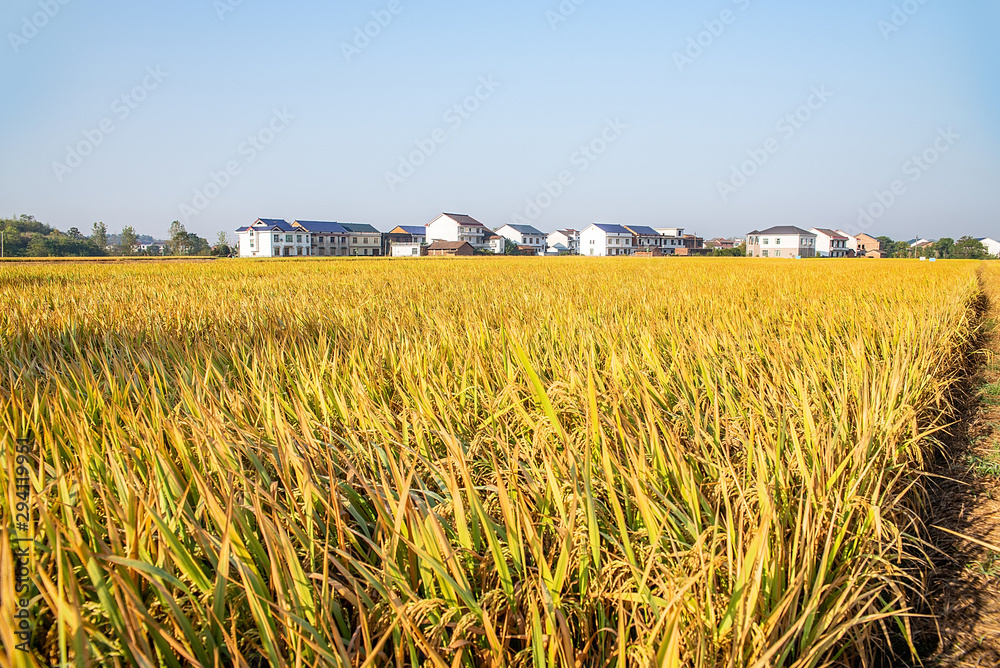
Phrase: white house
(673, 238)
(269, 237)
(411, 249)
(524, 235)
(830, 243)
(568, 239)
(601, 240)
(458, 227)
(992, 246)
(785, 241)
(495, 243)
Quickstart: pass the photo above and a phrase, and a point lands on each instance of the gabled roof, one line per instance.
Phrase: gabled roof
(321, 227)
(416, 230)
(464, 220)
(830, 233)
(269, 224)
(611, 229)
(642, 230)
(784, 229)
(360, 228)
(448, 245)
(523, 229)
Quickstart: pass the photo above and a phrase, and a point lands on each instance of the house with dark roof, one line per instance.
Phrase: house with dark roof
(403, 234)
(363, 240)
(328, 239)
(458, 227)
(830, 243)
(646, 239)
(450, 248)
(524, 235)
(603, 240)
(783, 241)
(273, 237)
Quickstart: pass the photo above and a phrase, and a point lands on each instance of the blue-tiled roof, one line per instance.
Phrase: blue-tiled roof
(417, 230)
(317, 227)
(360, 228)
(523, 229)
(270, 224)
(611, 229)
(643, 231)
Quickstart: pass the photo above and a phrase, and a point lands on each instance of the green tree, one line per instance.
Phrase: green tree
(510, 248)
(888, 246)
(74, 233)
(178, 239)
(129, 241)
(968, 248)
(99, 235)
(942, 248)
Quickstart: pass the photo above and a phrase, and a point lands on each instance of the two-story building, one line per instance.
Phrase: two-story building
(603, 240)
(328, 239)
(568, 239)
(458, 227)
(273, 237)
(783, 241)
(403, 234)
(646, 239)
(830, 243)
(524, 235)
(363, 239)
(673, 239)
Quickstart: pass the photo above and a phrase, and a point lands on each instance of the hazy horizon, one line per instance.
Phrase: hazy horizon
(217, 112)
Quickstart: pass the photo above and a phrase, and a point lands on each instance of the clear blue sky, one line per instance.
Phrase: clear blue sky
(687, 125)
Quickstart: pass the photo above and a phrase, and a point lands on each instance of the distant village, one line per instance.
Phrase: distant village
(452, 234)
(463, 235)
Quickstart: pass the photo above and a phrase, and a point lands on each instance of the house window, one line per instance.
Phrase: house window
(765, 243)
(777, 241)
(288, 238)
(251, 242)
(354, 241)
(763, 253)
(277, 238)
(416, 251)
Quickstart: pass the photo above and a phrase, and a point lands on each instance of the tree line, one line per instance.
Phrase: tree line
(24, 236)
(966, 248)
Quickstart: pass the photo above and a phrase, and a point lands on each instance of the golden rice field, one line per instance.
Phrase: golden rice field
(483, 462)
